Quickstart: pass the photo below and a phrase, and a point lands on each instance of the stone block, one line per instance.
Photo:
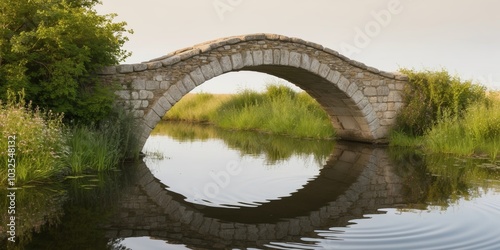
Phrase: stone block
(154, 65)
(315, 65)
(237, 60)
(247, 58)
(370, 91)
(152, 85)
(276, 56)
(140, 67)
(151, 119)
(268, 56)
(258, 57)
(382, 90)
(323, 70)
(175, 93)
(225, 63)
(333, 76)
(207, 71)
(145, 94)
(188, 83)
(125, 68)
(216, 67)
(353, 87)
(358, 96)
(284, 57)
(305, 62)
(135, 104)
(171, 60)
(197, 77)
(138, 84)
(343, 84)
(134, 95)
(295, 59)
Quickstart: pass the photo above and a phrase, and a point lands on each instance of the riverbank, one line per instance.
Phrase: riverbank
(39, 147)
(278, 110)
(468, 126)
(477, 132)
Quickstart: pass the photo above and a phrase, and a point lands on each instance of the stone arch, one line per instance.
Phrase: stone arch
(361, 101)
(360, 173)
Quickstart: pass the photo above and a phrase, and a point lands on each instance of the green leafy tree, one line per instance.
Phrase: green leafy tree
(52, 49)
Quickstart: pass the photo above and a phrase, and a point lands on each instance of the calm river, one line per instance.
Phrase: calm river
(204, 188)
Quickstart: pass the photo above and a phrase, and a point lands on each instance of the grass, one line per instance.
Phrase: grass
(279, 110)
(39, 141)
(46, 149)
(475, 132)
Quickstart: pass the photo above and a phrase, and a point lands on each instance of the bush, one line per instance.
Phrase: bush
(432, 93)
(39, 139)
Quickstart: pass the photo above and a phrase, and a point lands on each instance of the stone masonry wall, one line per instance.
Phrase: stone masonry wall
(362, 101)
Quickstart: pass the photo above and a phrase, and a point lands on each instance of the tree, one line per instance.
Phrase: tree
(52, 49)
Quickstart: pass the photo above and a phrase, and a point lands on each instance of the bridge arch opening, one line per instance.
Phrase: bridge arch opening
(361, 101)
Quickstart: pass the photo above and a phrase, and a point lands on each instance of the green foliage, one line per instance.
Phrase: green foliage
(39, 140)
(45, 148)
(52, 49)
(279, 110)
(101, 147)
(477, 132)
(431, 94)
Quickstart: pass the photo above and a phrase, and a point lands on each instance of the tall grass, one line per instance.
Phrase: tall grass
(101, 147)
(197, 107)
(46, 148)
(279, 110)
(477, 132)
(40, 140)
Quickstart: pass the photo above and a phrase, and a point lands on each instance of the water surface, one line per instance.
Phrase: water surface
(205, 188)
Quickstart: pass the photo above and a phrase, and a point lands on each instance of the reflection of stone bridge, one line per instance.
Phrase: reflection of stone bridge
(355, 181)
(360, 100)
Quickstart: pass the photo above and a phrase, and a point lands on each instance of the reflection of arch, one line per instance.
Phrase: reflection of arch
(364, 172)
(361, 101)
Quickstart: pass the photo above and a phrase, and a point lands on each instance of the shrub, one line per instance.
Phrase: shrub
(430, 94)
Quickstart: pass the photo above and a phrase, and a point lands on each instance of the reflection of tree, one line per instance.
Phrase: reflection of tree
(91, 201)
(276, 148)
(440, 179)
(35, 208)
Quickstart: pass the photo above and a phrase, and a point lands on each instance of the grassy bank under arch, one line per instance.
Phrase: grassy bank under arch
(278, 110)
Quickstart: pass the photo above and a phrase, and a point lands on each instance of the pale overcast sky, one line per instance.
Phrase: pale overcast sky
(461, 36)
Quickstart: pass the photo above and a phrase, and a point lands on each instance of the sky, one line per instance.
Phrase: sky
(462, 37)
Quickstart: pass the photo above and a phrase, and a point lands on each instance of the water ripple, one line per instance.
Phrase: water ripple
(470, 224)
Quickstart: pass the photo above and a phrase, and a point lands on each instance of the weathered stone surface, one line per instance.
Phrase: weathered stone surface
(361, 101)
(197, 77)
(125, 68)
(140, 67)
(225, 63)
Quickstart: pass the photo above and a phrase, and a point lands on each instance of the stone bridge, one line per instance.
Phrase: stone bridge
(361, 101)
(356, 180)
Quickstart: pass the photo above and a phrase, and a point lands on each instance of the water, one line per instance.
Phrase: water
(204, 188)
